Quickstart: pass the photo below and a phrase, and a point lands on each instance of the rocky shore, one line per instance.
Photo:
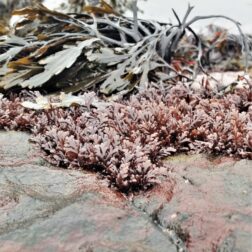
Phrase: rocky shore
(204, 205)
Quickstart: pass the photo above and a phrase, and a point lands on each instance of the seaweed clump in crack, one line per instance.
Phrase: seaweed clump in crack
(126, 140)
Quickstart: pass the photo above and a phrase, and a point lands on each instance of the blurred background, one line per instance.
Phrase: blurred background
(161, 9)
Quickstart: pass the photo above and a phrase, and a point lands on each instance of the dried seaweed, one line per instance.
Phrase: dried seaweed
(125, 53)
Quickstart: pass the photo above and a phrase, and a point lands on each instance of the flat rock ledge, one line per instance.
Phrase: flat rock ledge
(204, 205)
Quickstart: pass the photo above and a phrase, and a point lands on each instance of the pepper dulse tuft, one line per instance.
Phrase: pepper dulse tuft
(126, 141)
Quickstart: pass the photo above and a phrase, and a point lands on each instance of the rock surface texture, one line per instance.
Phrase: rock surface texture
(205, 205)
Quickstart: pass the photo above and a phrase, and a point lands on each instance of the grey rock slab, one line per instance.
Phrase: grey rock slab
(209, 205)
(85, 214)
(16, 150)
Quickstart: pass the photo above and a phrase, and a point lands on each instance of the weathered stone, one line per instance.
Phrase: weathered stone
(15, 149)
(210, 207)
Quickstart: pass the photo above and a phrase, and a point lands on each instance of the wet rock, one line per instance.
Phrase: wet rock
(43, 208)
(15, 150)
(210, 207)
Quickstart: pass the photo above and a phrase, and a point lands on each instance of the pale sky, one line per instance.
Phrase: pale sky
(240, 10)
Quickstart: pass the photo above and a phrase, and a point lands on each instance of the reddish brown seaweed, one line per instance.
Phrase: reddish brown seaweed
(126, 140)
